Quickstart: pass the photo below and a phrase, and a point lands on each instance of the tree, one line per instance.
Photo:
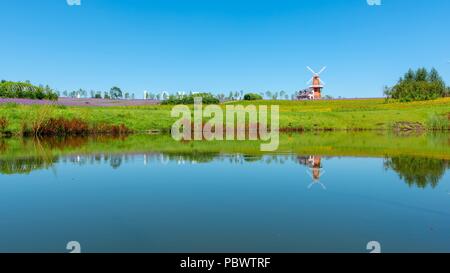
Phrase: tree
(421, 75)
(418, 85)
(410, 75)
(220, 96)
(26, 90)
(115, 93)
(252, 96)
(207, 98)
(80, 93)
(275, 96)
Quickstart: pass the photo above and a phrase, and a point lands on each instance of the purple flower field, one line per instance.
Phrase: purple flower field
(81, 102)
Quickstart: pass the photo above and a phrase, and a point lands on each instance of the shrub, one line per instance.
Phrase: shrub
(252, 96)
(418, 85)
(3, 124)
(26, 90)
(71, 127)
(207, 98)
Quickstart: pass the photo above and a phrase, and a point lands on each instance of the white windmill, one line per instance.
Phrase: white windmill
(316, 84)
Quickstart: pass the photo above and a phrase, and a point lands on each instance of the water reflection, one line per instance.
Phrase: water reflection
(415, 171)
(315, 170)
(418, 171)
(25, 165)
(22, 156)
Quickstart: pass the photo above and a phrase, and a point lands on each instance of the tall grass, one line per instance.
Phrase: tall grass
(438, 122)
(72, 127)
(46, 120)
(3, 124)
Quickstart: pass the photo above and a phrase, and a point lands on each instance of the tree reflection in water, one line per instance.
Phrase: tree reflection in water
(27, 155)
(418, 171)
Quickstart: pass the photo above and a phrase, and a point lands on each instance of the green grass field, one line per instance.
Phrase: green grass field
(361, 114)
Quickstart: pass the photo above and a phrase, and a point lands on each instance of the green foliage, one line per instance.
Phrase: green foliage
(252, 96)
(418, 85)
(430, 172)
(115, 93)
(438, 122)
(26, 90)
(207, 98)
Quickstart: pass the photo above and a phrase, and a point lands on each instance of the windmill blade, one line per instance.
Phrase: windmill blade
(322, 82)
(312, 71)
(310, 81)
(323, 69)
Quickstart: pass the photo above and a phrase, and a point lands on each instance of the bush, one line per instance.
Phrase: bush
(3, 124)
(207, 98)
(71, 127)
(418, 85)
(26, 90)
(252, 96)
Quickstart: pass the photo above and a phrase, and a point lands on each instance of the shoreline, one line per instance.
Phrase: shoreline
(353, 144)
(295, 116)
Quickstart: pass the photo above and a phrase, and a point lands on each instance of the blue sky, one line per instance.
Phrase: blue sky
(222, 45)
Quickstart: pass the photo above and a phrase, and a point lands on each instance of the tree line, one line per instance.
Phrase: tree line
(420, 84)
(26, 90)
(114, 93)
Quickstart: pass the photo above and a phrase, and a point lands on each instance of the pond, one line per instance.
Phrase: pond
(320, 192)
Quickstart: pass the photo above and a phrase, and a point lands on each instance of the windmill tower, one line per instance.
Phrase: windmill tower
(316, 83)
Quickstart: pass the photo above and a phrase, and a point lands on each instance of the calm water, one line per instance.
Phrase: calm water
(156, 201)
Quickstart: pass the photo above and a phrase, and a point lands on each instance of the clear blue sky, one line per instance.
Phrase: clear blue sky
(222, 45)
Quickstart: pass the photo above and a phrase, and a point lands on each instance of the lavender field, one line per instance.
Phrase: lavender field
(81, 102)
